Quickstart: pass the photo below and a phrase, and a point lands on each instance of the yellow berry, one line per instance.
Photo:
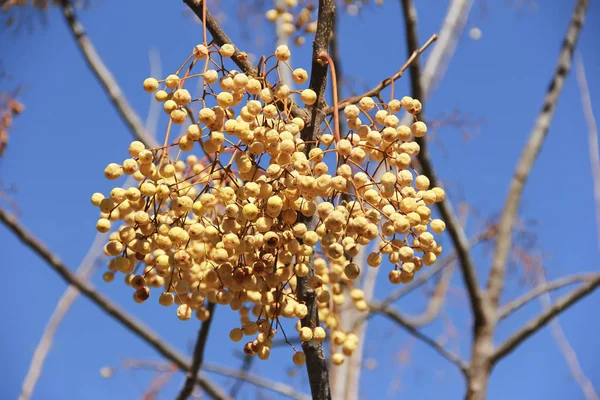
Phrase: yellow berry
(299, 358)
(172, 81)
(150, 85)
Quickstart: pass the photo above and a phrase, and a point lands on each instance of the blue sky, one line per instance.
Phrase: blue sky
(69, 132)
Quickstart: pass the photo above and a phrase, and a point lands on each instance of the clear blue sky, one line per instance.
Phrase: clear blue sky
(69, 132)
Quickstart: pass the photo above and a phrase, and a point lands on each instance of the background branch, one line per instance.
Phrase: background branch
(198, 355)
(588, 112)
(534, 144)
(395, 316)
(565, 347)
(545, 287)
(105, 77)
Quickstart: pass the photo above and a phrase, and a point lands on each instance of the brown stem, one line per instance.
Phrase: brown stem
(316, 364)
(198, 356)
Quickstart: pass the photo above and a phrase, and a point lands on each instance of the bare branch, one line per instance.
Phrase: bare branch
(386, 82)
(395, 316)
(534, 144)
(586, 103)
(546, 316)
(276, 387)
(198, 356)
(112, 309)
(509, 308)
(105, 77)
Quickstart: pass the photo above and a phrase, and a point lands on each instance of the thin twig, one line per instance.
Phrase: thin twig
(424, 277)
(198, 356)
(546, 316)
(509, 308)
(588, 111)
(105, 77)
(112, 309)
(386, 82)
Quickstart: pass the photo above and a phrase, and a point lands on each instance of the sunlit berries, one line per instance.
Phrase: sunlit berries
(237, 207)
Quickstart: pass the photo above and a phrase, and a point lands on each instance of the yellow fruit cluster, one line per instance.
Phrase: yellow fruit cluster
(240, 207)
(297, 17)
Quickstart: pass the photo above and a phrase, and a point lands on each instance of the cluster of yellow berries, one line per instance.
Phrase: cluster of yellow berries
(297, 17)
(259, 207)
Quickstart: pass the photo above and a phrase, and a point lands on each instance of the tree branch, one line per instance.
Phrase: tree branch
(546, 316)
(316, 364)
(112, 309)
(395, 316)
(198, 357)
(105, 77)
(509, 308)
(534, 144)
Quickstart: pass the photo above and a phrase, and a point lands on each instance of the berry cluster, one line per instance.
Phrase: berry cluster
(259, 207)
(298, 20)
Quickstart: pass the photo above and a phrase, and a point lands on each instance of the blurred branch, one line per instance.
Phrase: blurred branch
(565, 347)
(586, 103)
(277, 387)
(509, 308)
(198, 356)
(434, 304)
(386, 82)
(245, 368)
(112, 309)
(534, 144)
(546, 316)
(395, 316)
(105, 77)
